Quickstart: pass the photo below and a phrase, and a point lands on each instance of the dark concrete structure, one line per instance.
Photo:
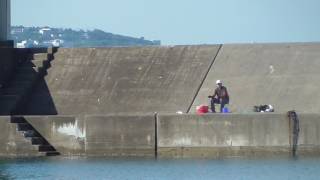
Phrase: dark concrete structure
(5, 23)
(7, 65)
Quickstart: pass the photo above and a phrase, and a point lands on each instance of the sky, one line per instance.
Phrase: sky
(177, 22)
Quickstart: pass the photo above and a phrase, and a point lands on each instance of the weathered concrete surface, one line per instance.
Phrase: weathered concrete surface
(222, 135)
(123, 80)
(65, 133)
(98, 135)
(120, 135)
(309, 136)
(13, 143)
(284, 75)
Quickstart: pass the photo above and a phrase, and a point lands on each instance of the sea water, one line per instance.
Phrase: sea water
(194, 169)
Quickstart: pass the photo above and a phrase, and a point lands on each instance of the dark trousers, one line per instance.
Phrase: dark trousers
(222, 103)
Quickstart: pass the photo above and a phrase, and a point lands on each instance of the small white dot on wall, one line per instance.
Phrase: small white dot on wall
(271, 69)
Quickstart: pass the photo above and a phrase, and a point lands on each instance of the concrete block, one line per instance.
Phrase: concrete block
(98, 135)
(120, 135)
(309, 129)
(65, 133)
(216, 134)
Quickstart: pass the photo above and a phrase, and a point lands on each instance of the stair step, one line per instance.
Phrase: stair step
(39, 63)
(38, 50)
(24, 77)
(21, 84)
(35, 63)
(8, 103)
(27, 70)
(52, 50)
(24, 127)
(46, 148)
(27, 64)
(55, 153)
(12, 91)
(40, 56)
(18, 120)
(38, 141)
(31, 133)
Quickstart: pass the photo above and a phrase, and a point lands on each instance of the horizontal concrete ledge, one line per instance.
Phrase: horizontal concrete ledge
(169, 135)
(218, 152)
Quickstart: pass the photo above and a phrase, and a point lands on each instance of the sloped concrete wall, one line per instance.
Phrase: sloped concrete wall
(13, 143)
(123, 80)
(284, 75)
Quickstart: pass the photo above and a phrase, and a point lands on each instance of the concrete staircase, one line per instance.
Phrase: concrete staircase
(35, 137)
(32, 66)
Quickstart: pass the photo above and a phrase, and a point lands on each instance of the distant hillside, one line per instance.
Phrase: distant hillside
(47, 36)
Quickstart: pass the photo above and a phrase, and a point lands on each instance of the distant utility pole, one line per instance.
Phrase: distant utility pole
(5, 20)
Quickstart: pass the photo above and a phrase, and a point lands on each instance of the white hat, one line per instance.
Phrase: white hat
(218, 82)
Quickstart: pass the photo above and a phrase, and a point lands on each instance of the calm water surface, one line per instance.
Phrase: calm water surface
(83, 168)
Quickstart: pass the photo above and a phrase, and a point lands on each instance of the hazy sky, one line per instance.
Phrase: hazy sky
(180, 21)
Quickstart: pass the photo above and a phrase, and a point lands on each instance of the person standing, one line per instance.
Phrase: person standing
(220, 96)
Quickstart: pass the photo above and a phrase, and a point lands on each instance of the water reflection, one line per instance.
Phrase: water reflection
(97, 168)
(4, 173)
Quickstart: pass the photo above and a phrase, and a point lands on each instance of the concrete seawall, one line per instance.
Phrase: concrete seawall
(165, 135)
(101, 98)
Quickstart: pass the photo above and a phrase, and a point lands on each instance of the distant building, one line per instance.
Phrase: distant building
(54, 43)
(43, 30)
(21, 44)
(156, 42)
(57, 42)
(17, 30)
